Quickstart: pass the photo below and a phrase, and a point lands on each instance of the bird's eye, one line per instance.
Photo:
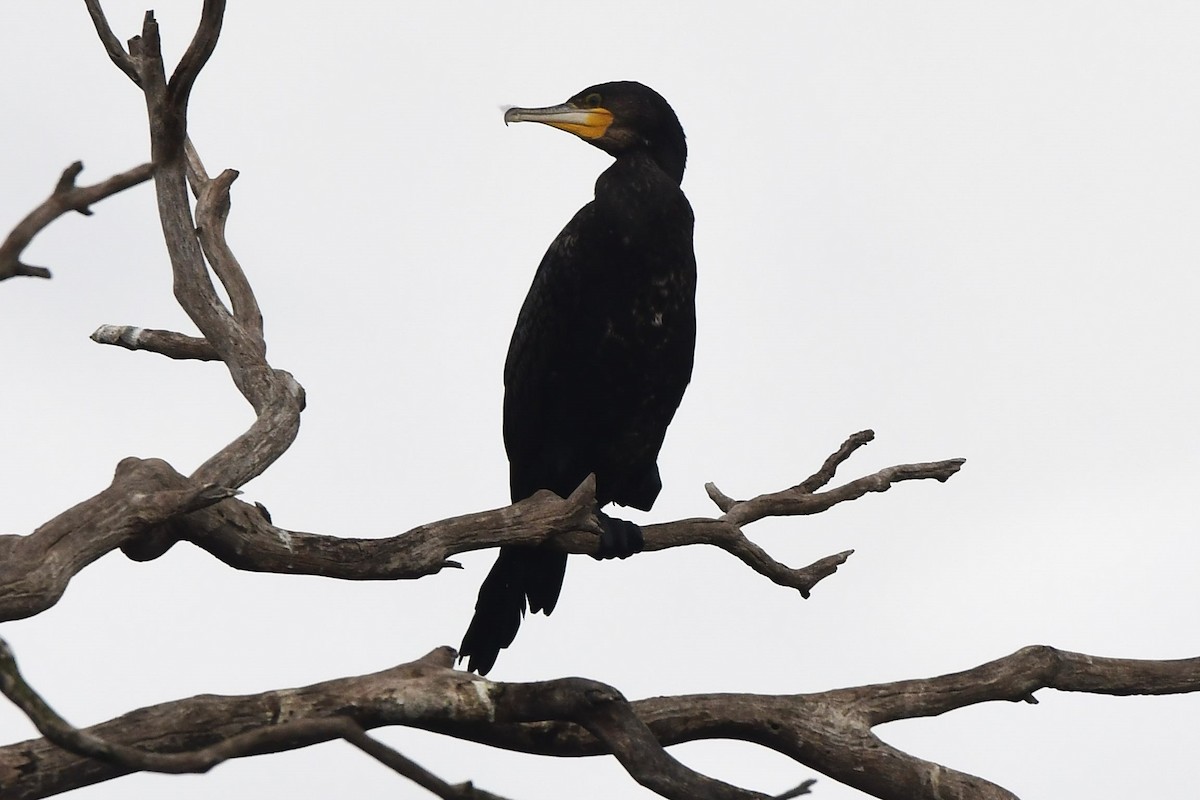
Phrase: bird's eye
(592, 101)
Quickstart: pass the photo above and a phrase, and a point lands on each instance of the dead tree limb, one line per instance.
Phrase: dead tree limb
(830, 732)
(427, 693)
(285, 735)
(65, 197)
(803, 498)
(168, 343)
(35, 569)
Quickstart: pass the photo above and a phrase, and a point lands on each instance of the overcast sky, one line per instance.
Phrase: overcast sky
(972, 227)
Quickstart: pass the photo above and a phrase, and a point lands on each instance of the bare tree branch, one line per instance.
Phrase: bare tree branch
(414, 771)
(1016, 677)
(423, 693)
(65, 197)
(168, 343)
(112, 45)
(284, 735)
(802, 789)
(236, 340)
(825, 474)
(729, 537)
(203, 43)
(829, 732)
(802, 499)
(212, 211)
(35, 569)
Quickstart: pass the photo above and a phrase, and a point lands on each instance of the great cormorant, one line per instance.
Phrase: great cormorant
(602, 349)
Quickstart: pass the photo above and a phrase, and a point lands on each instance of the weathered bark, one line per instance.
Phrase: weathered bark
(830, 732)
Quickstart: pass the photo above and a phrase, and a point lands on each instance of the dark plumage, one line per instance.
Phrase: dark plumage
(602, 349)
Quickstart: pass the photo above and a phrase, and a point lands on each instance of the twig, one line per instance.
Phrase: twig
(167, 343)
(825, 474)
(212, 211)
(65, 197)
(201, 48)
(803, 788)
(802, 498)
(729, 537)
(415, 772)
(112, 45)
(813, 482)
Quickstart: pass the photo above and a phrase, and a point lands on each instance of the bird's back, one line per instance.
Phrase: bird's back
(603, 346)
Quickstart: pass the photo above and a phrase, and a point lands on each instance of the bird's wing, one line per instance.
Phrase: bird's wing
(543, 366)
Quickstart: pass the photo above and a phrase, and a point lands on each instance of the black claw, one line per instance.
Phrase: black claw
(620, 538)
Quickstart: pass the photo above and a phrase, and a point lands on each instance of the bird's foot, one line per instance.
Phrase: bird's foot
(619, 538)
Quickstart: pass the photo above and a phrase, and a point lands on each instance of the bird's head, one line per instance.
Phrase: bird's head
(621, 117)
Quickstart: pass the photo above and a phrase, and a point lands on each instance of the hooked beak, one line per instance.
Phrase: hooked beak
(586, 123)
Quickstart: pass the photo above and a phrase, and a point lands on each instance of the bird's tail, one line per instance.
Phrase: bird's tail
(521, 575)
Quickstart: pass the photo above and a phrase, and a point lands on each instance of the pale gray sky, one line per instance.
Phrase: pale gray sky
(972, 227)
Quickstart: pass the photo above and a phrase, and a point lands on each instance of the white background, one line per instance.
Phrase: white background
(971, 227)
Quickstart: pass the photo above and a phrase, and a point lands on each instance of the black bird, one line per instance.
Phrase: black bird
(602, 349)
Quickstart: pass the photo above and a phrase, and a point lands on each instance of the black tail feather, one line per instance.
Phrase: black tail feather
(520, 574)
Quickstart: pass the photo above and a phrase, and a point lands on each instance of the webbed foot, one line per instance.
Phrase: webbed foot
(620, 538)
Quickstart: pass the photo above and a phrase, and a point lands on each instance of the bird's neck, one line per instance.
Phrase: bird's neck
(671, 160)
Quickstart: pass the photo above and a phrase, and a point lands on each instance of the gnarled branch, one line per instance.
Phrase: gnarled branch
(241, 536)
(427, 693)
(285, 735)
(830, 732)
(65, 197)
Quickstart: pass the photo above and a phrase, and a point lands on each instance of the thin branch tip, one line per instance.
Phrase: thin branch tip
(585, 492)
(67, 181)
(721, 500)
(953, 465)
(802, 789)
(167, 343)
(65, 197)
(29, 271)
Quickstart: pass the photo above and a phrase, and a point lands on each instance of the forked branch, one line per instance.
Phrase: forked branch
(286, 735)
(36, 568)
(438, 692)
(803, 498)
(830, 732)
(65, 197)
